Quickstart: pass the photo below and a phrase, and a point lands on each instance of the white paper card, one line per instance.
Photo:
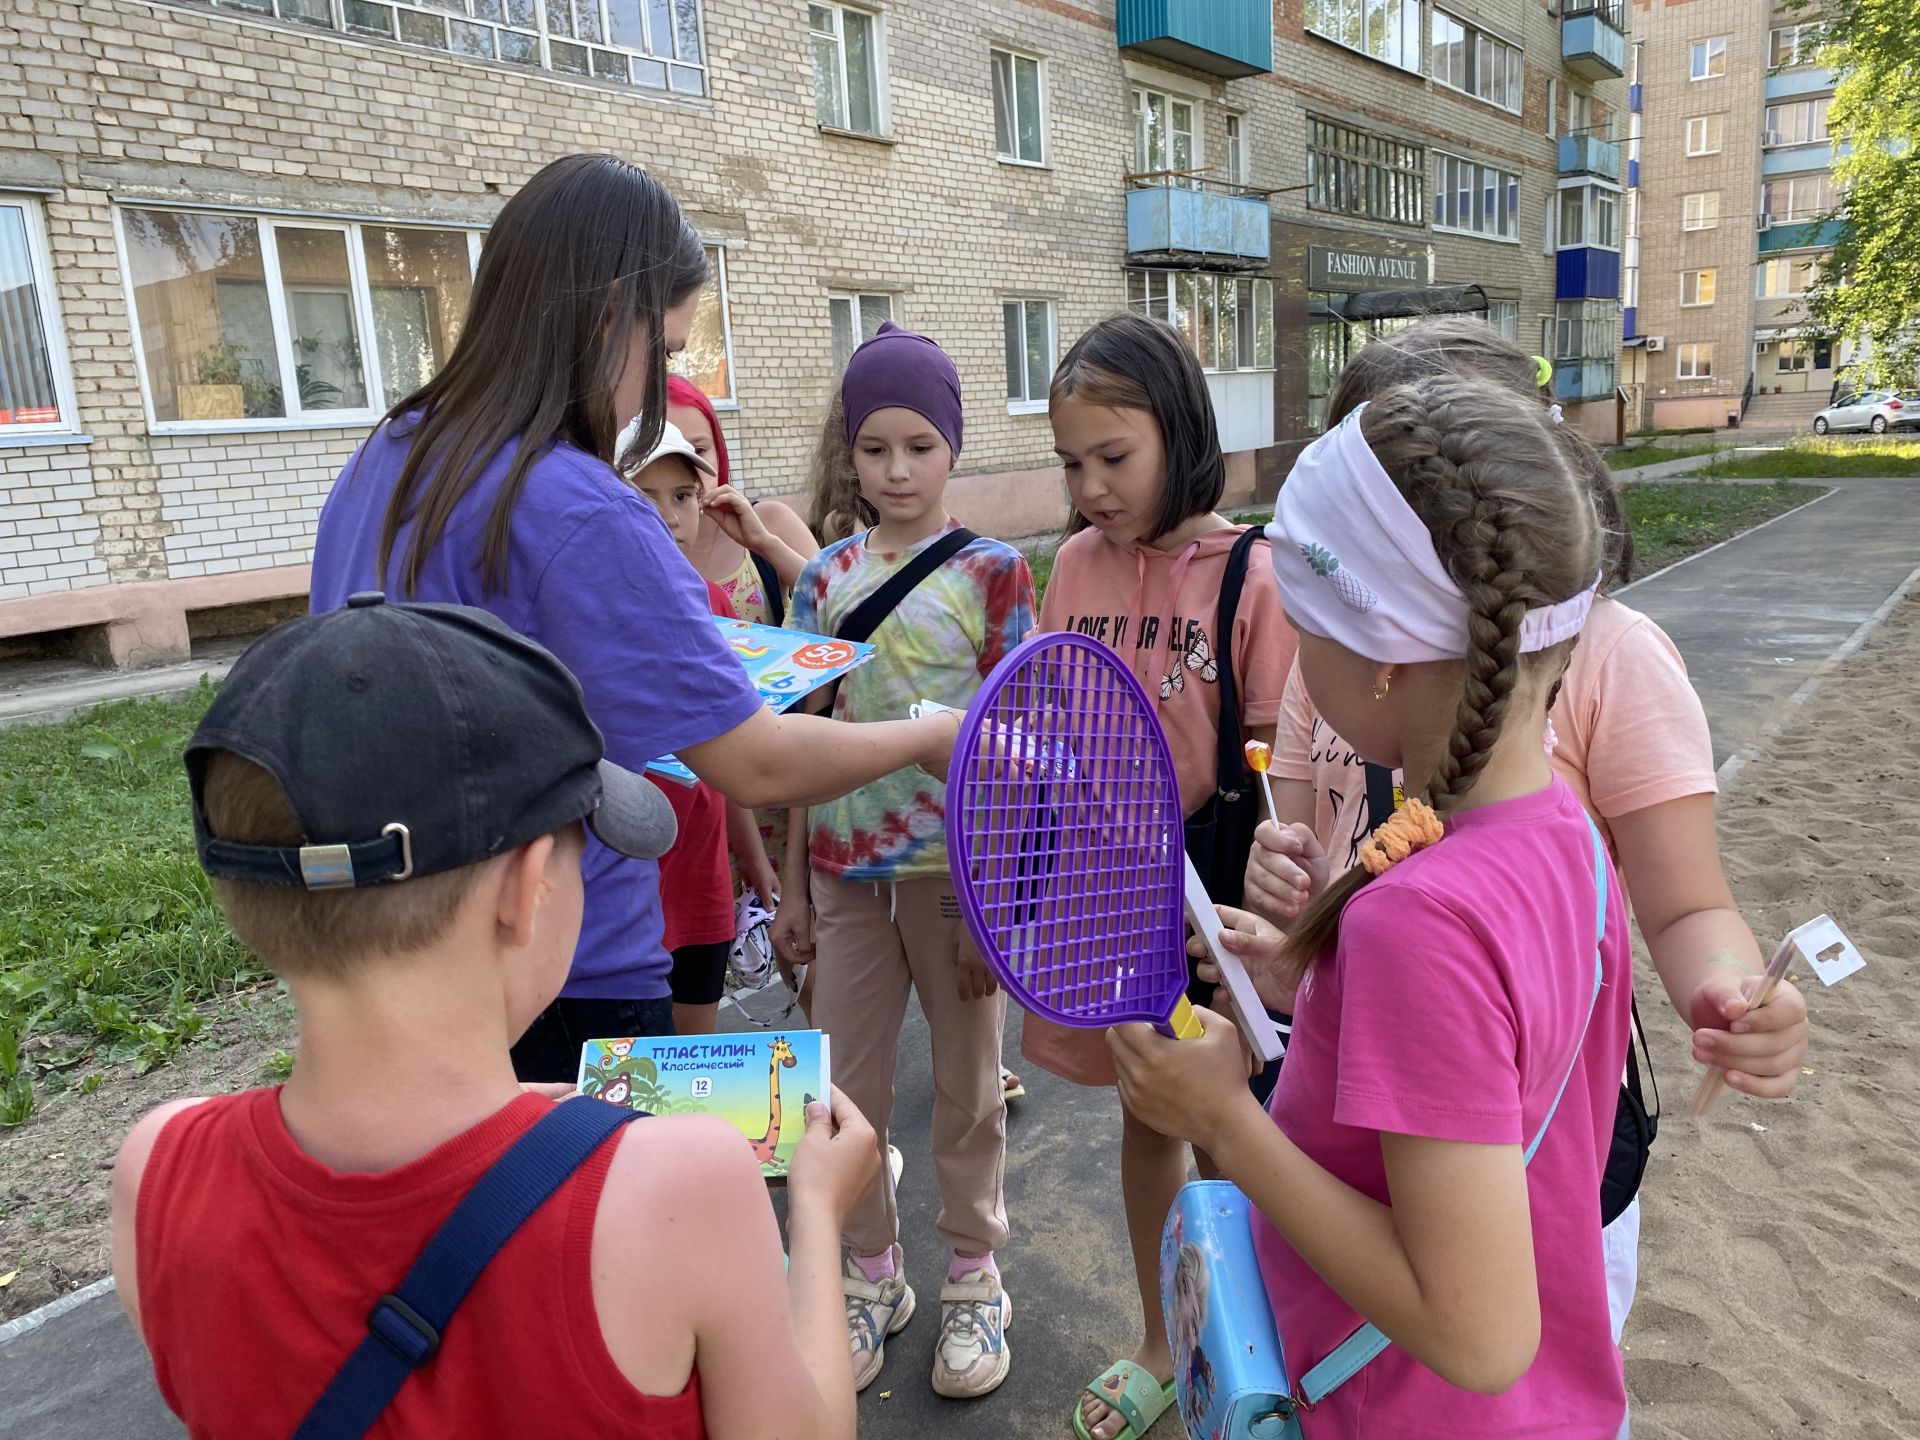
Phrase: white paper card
(1824, 947)
(1263, 1037)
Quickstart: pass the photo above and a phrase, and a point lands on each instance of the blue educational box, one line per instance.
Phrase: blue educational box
(1229, 1374)
(758, 1082)
(784, 665)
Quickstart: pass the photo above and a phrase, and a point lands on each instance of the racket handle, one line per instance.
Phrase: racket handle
(1184, 1024)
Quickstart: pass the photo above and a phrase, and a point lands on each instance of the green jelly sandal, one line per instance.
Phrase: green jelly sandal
(1130, 1388)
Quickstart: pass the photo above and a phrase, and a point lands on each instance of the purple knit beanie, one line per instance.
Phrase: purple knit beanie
(899, 368)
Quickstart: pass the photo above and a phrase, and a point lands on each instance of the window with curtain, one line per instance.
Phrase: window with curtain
(1476, 199)
(855, 319)
(708, 359)
(35, 393)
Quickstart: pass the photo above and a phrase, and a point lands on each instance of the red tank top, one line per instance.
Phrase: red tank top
(258, 1265)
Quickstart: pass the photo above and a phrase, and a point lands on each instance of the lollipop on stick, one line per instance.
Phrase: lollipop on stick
(1259, 758)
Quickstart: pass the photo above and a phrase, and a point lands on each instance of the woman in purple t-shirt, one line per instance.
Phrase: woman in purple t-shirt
(1435, 1143)
(493, 485)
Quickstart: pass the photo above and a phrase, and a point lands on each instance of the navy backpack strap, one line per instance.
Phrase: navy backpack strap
(404, 1328)
(1357, 1351)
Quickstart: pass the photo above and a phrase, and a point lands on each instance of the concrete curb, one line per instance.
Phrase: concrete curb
(1698, 554)
(53, 1309)
(1737, 761)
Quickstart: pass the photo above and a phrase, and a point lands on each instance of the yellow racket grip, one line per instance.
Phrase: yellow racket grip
(1184, 1023)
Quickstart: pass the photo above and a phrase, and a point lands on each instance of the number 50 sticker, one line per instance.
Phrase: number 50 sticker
(823, 655)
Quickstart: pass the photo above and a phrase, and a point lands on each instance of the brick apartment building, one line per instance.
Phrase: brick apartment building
(1734, 187)
(232, 232)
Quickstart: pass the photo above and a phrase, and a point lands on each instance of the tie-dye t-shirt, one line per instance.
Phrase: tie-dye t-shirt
(941, 641)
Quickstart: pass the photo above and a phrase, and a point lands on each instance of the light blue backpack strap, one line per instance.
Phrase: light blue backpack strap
(1358, 1350)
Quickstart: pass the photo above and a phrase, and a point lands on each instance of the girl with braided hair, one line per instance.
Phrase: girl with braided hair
(1627, 733)
(1437, 553)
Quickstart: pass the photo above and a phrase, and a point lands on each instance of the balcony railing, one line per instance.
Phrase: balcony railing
(1190, 217)
(1593, 40)
(1585, 153)
(1229, 38)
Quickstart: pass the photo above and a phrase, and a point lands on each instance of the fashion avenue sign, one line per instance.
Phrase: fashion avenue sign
(1330, 269)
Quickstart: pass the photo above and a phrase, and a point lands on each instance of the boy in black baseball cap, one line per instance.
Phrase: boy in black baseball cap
(390, 799)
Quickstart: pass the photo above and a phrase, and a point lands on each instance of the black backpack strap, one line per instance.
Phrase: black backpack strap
(865, 617)
(1230, 764)
(1380, 806)
(405, 1326)
(1638, 1040)
(770, 585)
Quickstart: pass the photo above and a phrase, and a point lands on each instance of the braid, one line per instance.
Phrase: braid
(1492, 666)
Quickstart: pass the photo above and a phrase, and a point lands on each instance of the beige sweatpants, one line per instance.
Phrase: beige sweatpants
(871, 943)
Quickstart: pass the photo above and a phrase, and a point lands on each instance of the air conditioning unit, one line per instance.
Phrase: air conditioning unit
(1772, 137)
(1656, 343)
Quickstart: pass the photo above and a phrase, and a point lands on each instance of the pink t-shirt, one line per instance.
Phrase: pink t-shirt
(1629, 733)
(1451, 1010)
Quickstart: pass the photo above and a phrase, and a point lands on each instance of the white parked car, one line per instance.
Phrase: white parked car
(1875, 410)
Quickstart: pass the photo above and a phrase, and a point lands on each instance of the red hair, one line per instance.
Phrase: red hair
(682, 391)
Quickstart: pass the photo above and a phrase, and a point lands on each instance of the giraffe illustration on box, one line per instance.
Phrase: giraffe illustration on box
(780, 1057)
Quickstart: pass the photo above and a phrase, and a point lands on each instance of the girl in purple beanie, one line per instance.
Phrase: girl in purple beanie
(867, 883)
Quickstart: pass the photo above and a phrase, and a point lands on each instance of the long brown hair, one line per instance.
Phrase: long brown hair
(1128, 362)
(588, 248)
(1464, 345)
(1514, 525)
(835, 506)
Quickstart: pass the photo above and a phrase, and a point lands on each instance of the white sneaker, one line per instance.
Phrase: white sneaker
(874, 1311)
(972, 1357)
(895, 1163)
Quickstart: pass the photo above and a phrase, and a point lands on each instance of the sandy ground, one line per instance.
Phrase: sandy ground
(1780, 1254)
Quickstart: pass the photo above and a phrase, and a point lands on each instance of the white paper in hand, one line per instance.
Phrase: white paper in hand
(1825, 947)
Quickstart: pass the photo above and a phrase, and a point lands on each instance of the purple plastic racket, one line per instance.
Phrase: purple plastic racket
(1064, 831)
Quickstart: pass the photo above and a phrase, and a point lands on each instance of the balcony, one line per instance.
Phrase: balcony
(1229, 38)
(1589, 155)
(1586, 273)
(1185, 219)
(1791, 84)
(1583, 378)
(1808, 235)
(1593, 38)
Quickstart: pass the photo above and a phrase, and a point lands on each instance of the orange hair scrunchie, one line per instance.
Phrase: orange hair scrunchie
(1413, 827)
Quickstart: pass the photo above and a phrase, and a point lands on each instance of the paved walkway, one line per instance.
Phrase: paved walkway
(1754, 619)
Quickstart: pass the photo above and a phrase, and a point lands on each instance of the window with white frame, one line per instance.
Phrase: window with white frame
(1504, 316)
(1707, 59)
(1792, 45)
(708, 359)
(1467, 58)
(1697, 286)
(36, 390)
(1019, 108)
(1800, 197)
(1800, 122)
(1031, 336)
(1706, 134)
(1590, 215)
(1239, 161)
(655, 44)
(855, 319)
(257, 321)
(1475, 199)
(1781, 277)
(1791, 357)
(1553, 108)
(1387, 30)
(1700, 210)
(1227, 319)
(1165, 131)
(1694, 361)
(849, 68)
(1354, 172)
(1586, 329)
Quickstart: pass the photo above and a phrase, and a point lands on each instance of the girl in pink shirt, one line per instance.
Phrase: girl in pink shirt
(1436, 1139)
(1627, 734)
(1144, 572)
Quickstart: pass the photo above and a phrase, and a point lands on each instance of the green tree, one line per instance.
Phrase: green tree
(1871, 286)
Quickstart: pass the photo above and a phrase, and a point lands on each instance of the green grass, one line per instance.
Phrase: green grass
(1673, 521)
(1635, 456)
(108, 932)
(1828, 459)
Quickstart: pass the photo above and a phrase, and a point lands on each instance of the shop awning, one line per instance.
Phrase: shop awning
(1399, 304)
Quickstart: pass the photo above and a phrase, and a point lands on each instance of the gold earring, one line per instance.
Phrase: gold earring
(1382, 686)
